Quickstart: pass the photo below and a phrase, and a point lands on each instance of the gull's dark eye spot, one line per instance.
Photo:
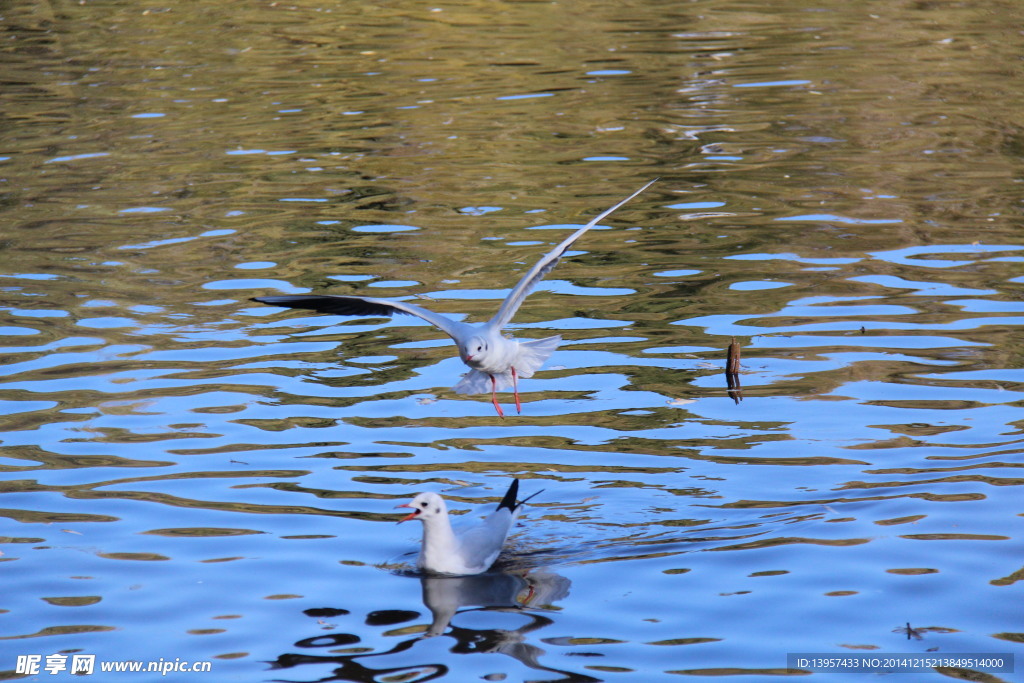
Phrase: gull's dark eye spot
(423, 505)
(437, 511)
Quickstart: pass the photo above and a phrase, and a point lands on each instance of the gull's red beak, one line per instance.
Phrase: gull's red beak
(411, 515)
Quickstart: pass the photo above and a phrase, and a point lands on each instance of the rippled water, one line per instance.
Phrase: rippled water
(190, 475)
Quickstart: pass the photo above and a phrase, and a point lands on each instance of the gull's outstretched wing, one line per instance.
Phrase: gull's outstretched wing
(367, 307)
(526, 284)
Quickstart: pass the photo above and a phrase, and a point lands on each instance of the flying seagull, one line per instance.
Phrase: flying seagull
(496, 362)
(471, 550)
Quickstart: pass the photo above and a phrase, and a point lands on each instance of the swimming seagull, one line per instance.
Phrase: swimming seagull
(471, 550)
(494, 359)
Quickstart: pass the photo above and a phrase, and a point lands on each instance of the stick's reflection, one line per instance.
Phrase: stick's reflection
(732, 371)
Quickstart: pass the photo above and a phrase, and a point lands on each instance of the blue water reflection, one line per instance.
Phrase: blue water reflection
(189, 475)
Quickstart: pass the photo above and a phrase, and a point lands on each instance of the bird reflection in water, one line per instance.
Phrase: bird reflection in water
(445, 595)
(523, 594)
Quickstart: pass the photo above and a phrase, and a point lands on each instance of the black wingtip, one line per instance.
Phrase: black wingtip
(509, 501)
(333, 305)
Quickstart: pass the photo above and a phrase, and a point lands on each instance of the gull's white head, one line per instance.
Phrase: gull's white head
(425, 507)
(474, 350)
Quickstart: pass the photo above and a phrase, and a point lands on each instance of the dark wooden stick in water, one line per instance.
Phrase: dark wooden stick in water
(732, 363)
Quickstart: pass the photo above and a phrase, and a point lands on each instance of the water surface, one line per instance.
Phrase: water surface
(191, 475)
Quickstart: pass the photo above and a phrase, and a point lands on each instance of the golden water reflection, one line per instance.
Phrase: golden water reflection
(839, 193)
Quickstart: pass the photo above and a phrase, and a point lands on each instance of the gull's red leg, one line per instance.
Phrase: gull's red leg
(494, 396)
(515, 390)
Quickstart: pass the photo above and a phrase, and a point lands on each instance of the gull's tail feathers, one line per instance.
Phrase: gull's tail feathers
(476, 382)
